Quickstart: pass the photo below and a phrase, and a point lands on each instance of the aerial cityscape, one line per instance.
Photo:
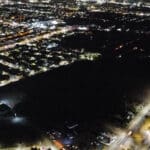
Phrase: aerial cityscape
(74, 75)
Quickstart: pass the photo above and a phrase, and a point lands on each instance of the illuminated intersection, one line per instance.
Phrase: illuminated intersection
(137, 134)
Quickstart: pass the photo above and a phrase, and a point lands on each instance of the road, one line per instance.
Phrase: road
(37, 38)
(126, 135)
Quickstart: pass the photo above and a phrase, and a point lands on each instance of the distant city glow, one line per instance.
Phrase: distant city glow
(38, 36)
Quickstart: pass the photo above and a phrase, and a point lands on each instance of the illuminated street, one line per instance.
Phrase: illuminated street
(74, 75)
(136, 136)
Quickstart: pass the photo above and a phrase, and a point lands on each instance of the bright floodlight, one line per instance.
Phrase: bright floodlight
(17, 120)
